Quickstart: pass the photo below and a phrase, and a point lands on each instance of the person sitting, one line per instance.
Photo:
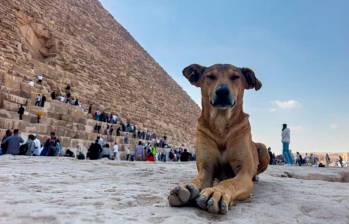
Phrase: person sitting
(61, 98)
(94, 151)
(37, 146)
(100, 141)
(126, 138)
(68, 91)
(3, 146)
(118, 131)
(80, 156)
(150, 156)
(185, 156)
(69, 153)
(97, 127)
(51, 146)
(98, 115)
(77, 103)
(114, 119)
(111, 130)
(40, 77)
(106, 152)
(123, 127)
(171, 155)
(13, 143)
(53, 95)
(139, 152)
(30, 146)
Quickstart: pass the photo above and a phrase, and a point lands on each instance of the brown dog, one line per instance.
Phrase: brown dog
(227, 160)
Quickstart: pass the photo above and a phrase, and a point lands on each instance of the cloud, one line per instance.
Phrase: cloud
(285, 105)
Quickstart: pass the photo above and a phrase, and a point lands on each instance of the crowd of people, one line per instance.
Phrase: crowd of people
(13, 143)
(289, 159)
(142, 152)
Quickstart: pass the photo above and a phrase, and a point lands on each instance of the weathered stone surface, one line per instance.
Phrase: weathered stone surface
(77, 42)
(47, 190)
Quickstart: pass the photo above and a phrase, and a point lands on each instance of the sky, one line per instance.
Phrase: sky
(299, 49)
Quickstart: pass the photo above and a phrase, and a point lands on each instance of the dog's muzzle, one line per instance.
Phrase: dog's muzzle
(222, 97)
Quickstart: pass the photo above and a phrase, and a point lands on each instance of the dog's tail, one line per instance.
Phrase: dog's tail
(263, 157)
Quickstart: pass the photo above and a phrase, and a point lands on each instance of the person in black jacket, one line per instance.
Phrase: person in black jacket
(94, 151)
(21, 112)
(43, 100)
(185, 156)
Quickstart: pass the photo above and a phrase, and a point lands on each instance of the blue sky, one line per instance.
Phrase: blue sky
(298, 49)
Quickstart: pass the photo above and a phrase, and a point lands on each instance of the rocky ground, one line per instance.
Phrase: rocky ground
(61, 190)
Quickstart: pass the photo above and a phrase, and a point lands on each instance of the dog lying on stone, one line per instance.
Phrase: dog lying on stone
(226, 157)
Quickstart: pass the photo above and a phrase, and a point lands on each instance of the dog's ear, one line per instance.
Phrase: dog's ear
(194, 73)
(251, 80)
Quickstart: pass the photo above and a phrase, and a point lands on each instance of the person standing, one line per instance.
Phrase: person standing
(39, 115)
(116, 151)
(328, 160)
(38, 100)
(43, 100)
(340, 160)
(90, 109)
(13, 143)
(285, 139)
(271, 156)
(21, 112)
(299, 159)
(127, 151)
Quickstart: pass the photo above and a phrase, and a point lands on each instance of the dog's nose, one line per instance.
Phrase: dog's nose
(222, 97)
(222, 91)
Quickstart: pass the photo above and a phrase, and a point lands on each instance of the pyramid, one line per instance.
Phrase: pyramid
(77, 42)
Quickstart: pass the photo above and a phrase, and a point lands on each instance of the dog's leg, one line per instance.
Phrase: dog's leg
(206, 157)
(217, 199)
(186, 194)
(263, 157)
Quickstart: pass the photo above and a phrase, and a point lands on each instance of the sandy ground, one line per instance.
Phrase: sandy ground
(61, 190)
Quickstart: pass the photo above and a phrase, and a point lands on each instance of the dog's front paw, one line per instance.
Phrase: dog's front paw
(182, 195)
(214, 200)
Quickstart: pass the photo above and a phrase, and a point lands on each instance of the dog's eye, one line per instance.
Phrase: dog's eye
(234, 77)
(211, 77)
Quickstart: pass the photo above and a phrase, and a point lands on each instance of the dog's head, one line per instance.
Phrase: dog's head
(222, 85)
